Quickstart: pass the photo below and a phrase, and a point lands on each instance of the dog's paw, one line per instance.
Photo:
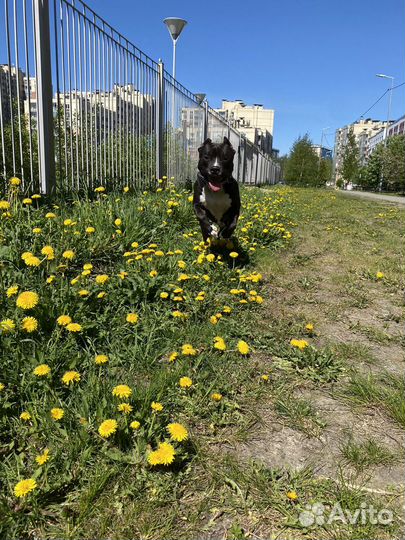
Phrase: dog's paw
(214, 231)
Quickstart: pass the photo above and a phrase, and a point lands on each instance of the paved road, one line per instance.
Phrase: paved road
(378, 196)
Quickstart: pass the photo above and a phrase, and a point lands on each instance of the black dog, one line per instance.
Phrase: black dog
(216, 194)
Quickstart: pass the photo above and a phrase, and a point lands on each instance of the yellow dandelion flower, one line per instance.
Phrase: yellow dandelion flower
(70, 377)
(68, 254)
(43, 458)
(125, 408)
(11, 291)
(32, 261)
(4, 205)
(2, 386)
(42, 370)
(216, 396)
(164, 455)
(243, 347)
(64, 320)
(74, 327)
(153, 273)
(213, 319)
(135, 425)
(265, 377)
(173, 356)
(37, 230)
(309, 327)
(118, 222)
(50, 279)
(164, 295)
(49, 252)
(122, 391)
(27, 300)
(100, 189)
(219, 343)
(50, 215)
(183, 277)
(27, 201)
(292, 495)
(132, 318)
(185, 382)
(188, 350)
(14, 181)
(29, 324)
(57, 413)
(108, 428)
(24, 487)
(101, 294)
(156, 406)
(300, 344)
(177, 432)
(226, 309)
(90, 230)
(101, 279)
(7, 326)
(25, 415)
(379, 275)
(101, 359)
(83, 293)
(234, 254)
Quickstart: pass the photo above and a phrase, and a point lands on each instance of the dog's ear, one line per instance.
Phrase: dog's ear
(227, 142)
(206, 142)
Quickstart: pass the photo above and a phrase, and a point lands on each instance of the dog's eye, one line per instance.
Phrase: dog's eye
(207, 157)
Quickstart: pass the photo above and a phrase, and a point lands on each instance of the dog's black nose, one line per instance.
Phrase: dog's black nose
(215, 170)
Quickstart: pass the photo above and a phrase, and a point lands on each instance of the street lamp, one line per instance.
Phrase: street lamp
(200, 98)
(175, 27)
(382, 76)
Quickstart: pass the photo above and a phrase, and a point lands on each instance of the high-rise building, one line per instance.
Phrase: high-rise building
(254, 121)
(363, 130)
(11, 79)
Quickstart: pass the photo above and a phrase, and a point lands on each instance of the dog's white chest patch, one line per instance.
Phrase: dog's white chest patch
(216, 202)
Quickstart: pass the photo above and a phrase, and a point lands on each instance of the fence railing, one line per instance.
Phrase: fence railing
(81, 106)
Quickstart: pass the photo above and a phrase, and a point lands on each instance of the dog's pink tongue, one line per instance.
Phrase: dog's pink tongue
(214, 187)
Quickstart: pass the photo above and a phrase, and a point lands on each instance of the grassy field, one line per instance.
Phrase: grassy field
(170, 401)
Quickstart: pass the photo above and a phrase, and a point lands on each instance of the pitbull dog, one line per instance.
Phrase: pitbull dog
(216, 194)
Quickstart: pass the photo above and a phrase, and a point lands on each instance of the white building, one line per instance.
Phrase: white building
(255, 122)
(363, 130)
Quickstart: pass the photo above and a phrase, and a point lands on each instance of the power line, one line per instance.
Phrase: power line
(380, 98)
(374, 104)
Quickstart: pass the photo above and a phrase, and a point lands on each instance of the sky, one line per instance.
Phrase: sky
(313, 61)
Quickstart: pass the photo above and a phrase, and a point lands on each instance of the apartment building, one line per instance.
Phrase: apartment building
(254, 121)
(363, 130)
(11, 86)
(322, 151)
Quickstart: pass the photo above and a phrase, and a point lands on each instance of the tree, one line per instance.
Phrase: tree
(324, 171)
(374, 169)
(350, 161)
(302, 165)
(394, 164)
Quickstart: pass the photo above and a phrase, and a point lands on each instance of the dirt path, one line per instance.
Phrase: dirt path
(329, 278)
(376, 196)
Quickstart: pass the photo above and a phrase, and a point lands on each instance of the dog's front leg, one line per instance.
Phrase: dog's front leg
(231, 220)
(208, 228)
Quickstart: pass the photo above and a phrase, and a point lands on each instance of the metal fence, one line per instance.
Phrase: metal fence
(81, 106)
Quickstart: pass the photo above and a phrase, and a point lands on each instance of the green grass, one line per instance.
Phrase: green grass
(368, 453)
(93, 486)
(385, 391)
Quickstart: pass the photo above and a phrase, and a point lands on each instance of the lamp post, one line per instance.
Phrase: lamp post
(175, 27)
(382, 76)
